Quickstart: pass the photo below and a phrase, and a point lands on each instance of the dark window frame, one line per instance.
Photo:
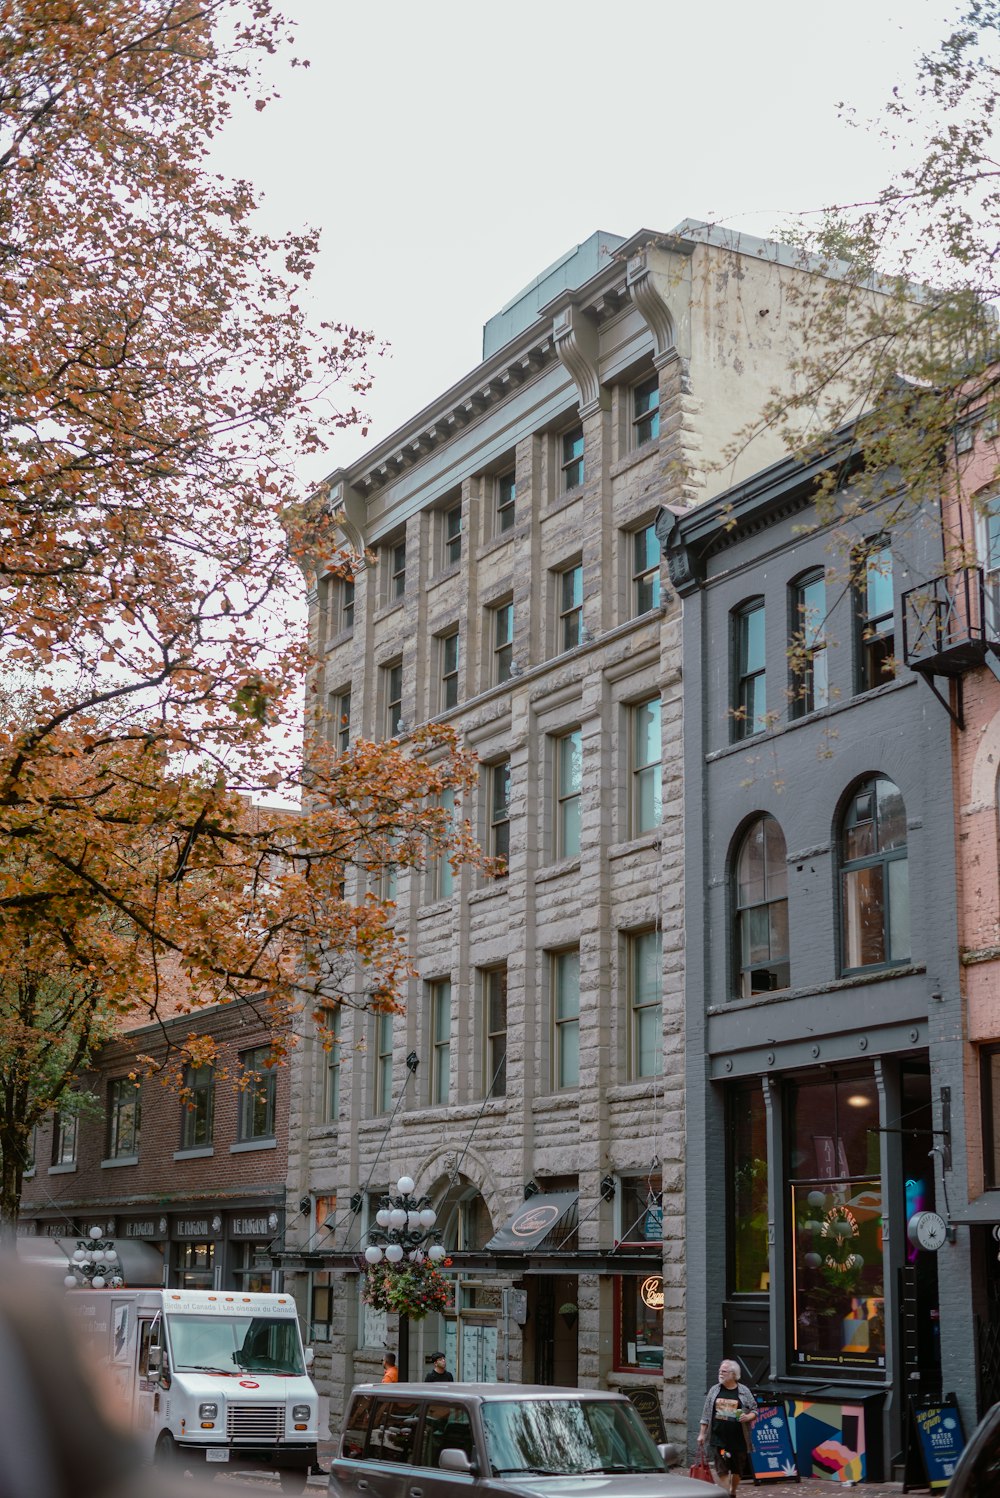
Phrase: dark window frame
(494, 1000)
(880, 859)
(749, 717)
(646, 587)
(572, 452)
(506, 501)
(745, 909)
(198, 1108)
(258, 1103)
(499, 832)
(807, 647)
(989, 1103)
(123, 1096)
(874, 643)
(645, 411)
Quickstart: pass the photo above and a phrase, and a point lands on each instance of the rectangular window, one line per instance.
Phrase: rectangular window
(503, 641)
(392, 685)
(440, 1030)
(647, 775)
(570, 607)
(444, 874)
(253, 1273)
(645, 1005)
(566, 1019)
(396, 563)
(494, 1031)
(990, 1096)
(569, 787)
(258, 1096)
(383, 1063)
(332, 1024)
(65, 1130)
(500, 810)
(646, 411)
(807, 646)
(338, 726)
(875, 660)
(750, 697)
(448, 648)
(989, 546)
(453, 535)
(746, 1169)
(345, 605)
(645, 570)
(572, 459)
(506, 492)
(197, 1107)
(123, 1119)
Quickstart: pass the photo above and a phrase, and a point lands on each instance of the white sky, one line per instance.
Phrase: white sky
(451, 151)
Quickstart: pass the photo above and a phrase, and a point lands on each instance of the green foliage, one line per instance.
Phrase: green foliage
(414, 1291)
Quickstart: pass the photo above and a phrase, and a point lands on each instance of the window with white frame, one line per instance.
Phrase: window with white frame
(499, 840)
(448, 656)
(451, 535)
(494, 992)
(568, 793)
(570, 625)
(647, 791)
(443, 873)
(503, 640)
(571, 465)
(338, 726)
(645, 570)
(440, 1036)
(383, 1063)
(506, 498)
(392, 687)
(395, 565)
(645, 1004)
(565, 979)
(645, 411)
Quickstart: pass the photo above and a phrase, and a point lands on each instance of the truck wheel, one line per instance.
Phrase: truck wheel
(293, 1479)
(166, 1453)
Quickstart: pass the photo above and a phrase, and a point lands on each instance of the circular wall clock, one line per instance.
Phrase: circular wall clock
(927, 1230)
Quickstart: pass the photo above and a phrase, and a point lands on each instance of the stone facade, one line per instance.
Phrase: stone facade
(695, 326)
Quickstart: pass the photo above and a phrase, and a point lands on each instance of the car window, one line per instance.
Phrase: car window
(984, 1474)
(567, 1436)
(393, 1429)
(445, 1425)
(356, 1426)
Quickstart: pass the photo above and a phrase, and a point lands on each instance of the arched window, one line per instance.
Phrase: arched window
(762, 909)
(874, 880)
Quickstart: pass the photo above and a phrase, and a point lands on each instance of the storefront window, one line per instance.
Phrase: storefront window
(194, 1266)
(837, 1284)
(748, 1135)
(252, 1268)
(641, 1322)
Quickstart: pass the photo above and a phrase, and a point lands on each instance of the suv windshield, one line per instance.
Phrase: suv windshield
(567, 1436)
(235, 1344)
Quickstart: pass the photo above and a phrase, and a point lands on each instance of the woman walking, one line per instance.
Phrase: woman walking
(730, 1410)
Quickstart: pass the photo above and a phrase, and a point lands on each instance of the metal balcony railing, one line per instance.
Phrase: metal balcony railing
(951, 621)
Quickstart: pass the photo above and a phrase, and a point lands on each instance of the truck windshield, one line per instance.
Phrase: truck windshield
(567, 1436)
(235, 1344)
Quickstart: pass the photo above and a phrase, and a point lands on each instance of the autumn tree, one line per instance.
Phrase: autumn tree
(158, 385)
(902, 344)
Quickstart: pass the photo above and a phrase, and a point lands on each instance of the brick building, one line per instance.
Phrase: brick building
(199, 1183)
(516, 592)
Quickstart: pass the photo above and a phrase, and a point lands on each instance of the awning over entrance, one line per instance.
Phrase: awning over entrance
(532, 1222)
(984, 1209)
(141, 1263)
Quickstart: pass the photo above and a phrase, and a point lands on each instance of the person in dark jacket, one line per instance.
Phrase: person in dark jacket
(439, 1373)
(730, 1410)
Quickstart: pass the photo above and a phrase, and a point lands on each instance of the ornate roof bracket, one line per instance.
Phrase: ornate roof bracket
(574, 334)
(646, 294)
(349, 510)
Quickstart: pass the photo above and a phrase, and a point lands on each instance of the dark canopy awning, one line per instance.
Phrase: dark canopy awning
(532, 1222)
(141, 1262)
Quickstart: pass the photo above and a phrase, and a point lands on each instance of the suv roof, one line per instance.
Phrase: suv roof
(488, 1391)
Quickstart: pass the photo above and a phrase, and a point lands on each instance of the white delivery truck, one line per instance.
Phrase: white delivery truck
(208, 1376)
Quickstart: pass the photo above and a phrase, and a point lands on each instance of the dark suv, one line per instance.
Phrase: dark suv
(498, 1441)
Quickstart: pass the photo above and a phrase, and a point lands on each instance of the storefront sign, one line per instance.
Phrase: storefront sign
(253, 1227)
(771, 1453)
(937, 1440)
(140, 1227)
(647, 1402)
(197, 1227)
(652, 1293)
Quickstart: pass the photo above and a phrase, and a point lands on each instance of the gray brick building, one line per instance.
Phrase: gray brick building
(823, 1029)
(516, 592)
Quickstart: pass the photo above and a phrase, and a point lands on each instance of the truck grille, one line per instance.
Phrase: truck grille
(255, 1422)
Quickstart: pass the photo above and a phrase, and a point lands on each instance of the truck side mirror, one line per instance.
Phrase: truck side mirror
(309, 1356)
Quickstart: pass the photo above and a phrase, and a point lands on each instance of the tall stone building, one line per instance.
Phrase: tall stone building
(515, 591)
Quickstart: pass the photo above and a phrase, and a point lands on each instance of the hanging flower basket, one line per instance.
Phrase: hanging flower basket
(414, 1291)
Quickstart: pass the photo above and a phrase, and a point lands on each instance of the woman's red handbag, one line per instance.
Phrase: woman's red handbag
(701, 1471)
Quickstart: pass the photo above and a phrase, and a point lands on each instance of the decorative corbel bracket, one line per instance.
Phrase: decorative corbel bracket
(575, 338)
(350, 511)
(655, 312)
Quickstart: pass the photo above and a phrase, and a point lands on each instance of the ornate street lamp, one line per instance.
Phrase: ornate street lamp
(403, 1238)
(94, 1264)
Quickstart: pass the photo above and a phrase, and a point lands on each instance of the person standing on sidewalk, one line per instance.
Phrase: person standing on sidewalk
(390, 1373)
(730, 1410)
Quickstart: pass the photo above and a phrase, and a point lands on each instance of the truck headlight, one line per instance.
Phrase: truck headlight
(208, 1411)
(301, 1412)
